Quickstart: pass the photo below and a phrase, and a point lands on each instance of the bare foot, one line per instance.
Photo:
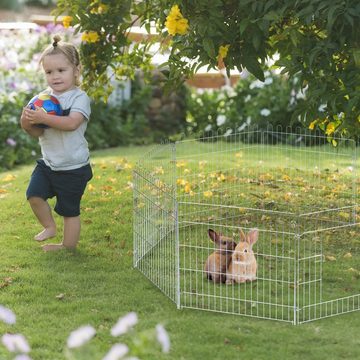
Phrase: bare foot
(47, 233)
(53, 247)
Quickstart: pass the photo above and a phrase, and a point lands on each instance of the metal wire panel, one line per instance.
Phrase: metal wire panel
(239, 182)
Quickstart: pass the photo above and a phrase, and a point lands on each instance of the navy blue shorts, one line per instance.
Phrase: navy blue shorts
(67, 186)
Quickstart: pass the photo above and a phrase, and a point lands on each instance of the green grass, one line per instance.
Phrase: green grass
(99, 283)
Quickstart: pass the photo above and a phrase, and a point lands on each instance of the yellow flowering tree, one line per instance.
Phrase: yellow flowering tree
(318, 41)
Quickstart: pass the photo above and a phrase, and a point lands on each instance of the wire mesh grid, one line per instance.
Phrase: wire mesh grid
(299, 192)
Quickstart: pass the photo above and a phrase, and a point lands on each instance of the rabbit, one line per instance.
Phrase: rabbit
(243, 264)
(218, 262)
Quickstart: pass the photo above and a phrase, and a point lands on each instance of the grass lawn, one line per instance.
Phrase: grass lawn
(53, 294)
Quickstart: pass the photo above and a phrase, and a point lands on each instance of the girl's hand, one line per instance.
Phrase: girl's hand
(34, 117)
(27, 126)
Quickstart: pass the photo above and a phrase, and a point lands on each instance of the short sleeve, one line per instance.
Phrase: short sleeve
(81, 104)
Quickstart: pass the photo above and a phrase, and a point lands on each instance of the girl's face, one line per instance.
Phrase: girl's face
(60, 73)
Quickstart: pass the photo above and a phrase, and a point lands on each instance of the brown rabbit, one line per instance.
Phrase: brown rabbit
(217, 263)
(243, 265)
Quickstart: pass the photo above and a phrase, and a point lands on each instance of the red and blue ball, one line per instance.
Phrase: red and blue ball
(50, 104)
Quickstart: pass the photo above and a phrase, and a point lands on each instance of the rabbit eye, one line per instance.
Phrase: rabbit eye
(245, 250)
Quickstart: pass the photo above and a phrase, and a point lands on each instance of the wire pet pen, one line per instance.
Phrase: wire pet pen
(300, 195)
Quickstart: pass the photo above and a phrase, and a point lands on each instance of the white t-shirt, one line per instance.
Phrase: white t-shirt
(67, 150)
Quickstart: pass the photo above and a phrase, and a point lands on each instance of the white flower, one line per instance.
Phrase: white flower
(265, 112)
(15, 343)
(220, 120)
(80, 336)
(256, 84)
(124, 324)
(228, 132)
(247, 98)
(118, 351)
(208, 127)
(7, 316)
(163, 338)
(268, 81)
(322, 107)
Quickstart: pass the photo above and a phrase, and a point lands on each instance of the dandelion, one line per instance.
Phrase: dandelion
(208, 194)
(15, 343)
(223, 51)
(80, 336)
(66, 20)
(175, 22)
(202, 163)
(90, 36)
(163, 338)
(124, 324)
(91, 187)
(181, 182)
(7, 316)
(159, 170)
(187, 188)
(118, 351)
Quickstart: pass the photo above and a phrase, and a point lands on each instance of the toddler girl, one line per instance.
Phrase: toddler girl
(64, 169)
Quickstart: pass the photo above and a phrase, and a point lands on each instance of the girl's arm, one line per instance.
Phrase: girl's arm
(65, 123)
(32, 130)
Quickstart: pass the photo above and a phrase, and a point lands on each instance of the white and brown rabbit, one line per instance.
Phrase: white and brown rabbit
(243, 265)
(218, 262)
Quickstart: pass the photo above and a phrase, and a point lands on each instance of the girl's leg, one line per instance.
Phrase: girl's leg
(42, 210)
(72, 228)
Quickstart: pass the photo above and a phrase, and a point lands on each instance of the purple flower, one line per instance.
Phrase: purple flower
(7, 316)
(15, 343)
(11, 142)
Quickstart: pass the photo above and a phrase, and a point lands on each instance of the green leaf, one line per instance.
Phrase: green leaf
(243, 25)
(209, 47)
(253, 66)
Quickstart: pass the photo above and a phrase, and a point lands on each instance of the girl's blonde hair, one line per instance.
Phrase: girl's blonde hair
(67, 49)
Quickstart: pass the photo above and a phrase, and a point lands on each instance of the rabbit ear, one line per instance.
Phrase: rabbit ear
(253, 236)
(213, 235)
(242, 235)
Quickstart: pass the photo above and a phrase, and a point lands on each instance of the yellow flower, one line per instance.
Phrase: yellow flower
(187, 188)
(181, 182)
(90, 36)
(312, 125)
(223, 51)
(101, 9)
(175, 22)
(67, 21)
(330, 128)
(208, 193)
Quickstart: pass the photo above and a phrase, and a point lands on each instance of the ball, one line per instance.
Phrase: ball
(50, 104)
